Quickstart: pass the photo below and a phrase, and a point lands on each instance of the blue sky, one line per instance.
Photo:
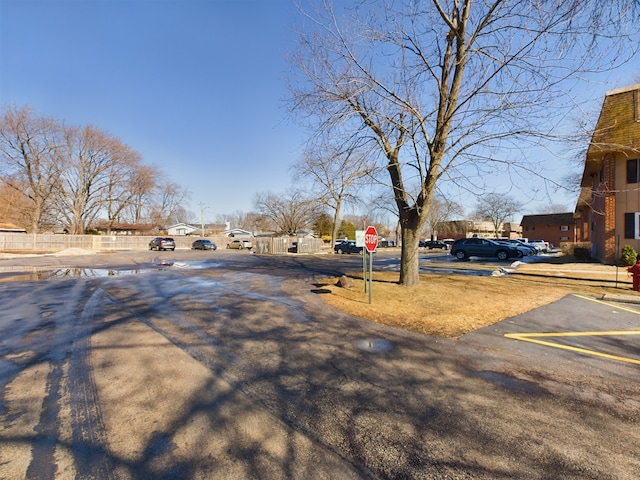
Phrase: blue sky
(196, 87)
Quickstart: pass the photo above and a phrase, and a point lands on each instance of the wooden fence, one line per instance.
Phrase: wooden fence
(45, 243)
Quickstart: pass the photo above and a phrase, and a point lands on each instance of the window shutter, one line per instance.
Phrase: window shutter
(630, 225)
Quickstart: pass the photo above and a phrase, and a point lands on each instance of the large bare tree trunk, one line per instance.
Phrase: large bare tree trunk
(409, 258)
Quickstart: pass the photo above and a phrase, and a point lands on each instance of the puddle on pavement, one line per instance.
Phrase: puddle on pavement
(374, 345)
(40, 273)
(75, 273)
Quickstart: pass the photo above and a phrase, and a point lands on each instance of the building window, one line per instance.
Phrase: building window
(564, 239)
(633, 170)
(564, 228)
(632, 225)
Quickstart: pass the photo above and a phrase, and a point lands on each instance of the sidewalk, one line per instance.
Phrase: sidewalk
(606, 275)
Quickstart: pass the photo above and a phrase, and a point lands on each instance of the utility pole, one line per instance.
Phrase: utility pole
(202, 207)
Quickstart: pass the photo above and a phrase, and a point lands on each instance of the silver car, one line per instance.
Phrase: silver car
(240, 244)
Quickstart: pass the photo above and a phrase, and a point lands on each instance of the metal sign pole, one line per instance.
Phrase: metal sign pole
(364, 269)
(370, 273)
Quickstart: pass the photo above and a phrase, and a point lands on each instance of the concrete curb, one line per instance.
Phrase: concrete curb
(613, 297)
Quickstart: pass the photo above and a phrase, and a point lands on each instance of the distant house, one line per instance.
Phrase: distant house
(608, 209)
(554, 228)
(182, 229)
(125, 228)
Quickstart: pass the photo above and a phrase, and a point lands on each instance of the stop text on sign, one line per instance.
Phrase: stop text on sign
(371, 239)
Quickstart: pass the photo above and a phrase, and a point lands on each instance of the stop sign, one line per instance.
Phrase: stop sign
(370, 239)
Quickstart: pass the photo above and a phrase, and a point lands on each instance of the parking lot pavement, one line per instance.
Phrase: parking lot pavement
(239, 371)
(578, 345)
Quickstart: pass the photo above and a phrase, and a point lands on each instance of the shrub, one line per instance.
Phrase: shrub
(628, 256)
(582, 253)
(581, 250)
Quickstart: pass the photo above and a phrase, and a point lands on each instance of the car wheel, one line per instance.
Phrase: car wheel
(502, 254)
(339, 251)
(461, 254)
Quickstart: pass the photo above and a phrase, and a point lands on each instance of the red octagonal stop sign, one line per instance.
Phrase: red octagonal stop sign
(370, 239)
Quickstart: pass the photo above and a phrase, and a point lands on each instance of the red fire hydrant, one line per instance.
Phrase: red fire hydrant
(635, 272)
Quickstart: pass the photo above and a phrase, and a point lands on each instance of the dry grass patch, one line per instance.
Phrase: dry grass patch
(451, 305)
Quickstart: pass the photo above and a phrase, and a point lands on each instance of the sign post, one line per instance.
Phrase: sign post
(370, 243)
(360, 243)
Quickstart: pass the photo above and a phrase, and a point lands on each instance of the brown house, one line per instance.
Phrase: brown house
(554, 228)
(608, 210)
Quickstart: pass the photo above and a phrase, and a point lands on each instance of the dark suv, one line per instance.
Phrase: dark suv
(431, 244)
(464, 248)
(162, 243)
(346, 246)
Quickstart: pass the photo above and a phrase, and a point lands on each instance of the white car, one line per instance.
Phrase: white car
(541, 244)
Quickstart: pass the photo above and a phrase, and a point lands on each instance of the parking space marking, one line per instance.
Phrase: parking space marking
(533, 337)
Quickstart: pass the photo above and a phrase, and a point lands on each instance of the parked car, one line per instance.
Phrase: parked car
(544, 246)
(523, 251)
(240, 244)
(535, 249)
(162, 243)
(464, 248)
(203, 245)
(347, 246)
(431, 244)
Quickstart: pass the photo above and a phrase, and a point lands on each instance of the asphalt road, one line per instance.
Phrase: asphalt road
(226, 364)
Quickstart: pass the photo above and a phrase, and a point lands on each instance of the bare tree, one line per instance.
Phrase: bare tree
(251, 221)
(15, 207)
(167, 206)
(496, 209)
(450, 90)
(440, 211)
(335, 172)
(290, 212)
(127, 181)
(29, 162)
(95, 164)
(142, 186)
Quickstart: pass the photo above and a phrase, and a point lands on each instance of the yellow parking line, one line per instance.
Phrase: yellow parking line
(616, 305)
(577, 334)
(532, 337)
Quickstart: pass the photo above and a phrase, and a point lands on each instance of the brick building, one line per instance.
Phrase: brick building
(608, 210)
(554, 228)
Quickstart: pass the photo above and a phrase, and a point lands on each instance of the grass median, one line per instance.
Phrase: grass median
(450, 305)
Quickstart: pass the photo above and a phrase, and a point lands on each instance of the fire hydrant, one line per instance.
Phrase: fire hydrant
(635, 272)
